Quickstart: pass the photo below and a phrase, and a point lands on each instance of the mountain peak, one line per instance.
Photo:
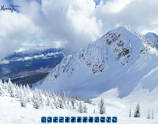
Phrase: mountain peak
(151, 33)
(153, 39)
(91, 71)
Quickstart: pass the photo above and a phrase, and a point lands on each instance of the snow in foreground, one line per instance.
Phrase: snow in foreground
(12, 113)
(25, 110)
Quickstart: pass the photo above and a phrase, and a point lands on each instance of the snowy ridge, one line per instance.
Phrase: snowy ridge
(30, 55)
(119, 59)
(153, 39)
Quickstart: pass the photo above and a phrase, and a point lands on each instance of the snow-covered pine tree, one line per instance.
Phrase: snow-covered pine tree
(152, 116)
(11, 88)
(27, 92)
(102, 106)
(148, 115)
(23, 101)
(137, 111)
(85, 109)
(73, 104)
(1, 91)
(61, 104)
(1, 87)
(63, 95)
(94, 111)
(18, 90)
(80, 107)
(5, 86)
(47, 101)
(130, 113)
(78, 98)
(37, 99)
(88, 101)
(40, 98)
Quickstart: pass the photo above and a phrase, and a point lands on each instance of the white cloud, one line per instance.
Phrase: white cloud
(114, 6)
(72, 23)
(83, 19)
(135, 13)
(17, 26)
(14, 28)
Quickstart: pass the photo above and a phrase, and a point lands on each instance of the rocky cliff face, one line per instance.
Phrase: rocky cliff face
(119, 59)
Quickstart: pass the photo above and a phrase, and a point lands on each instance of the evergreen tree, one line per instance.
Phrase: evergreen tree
(73, 104)
(23, 102)
(61, 104)
(137, 111)
(18, 92)
(1, 90)
(5, 86)
(37, 99)
(152, 114)
(148, 115)
(27, 93)
(130, 113)
(48, 101)
(64, 95)
(11, 89)
(80, 107)
(94, 111)
(102, 106)
(22, 97)
(85, 109)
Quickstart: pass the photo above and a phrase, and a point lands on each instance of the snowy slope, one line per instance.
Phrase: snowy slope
(13, 113)
(12, 97)
(119, 59)
(153, 39)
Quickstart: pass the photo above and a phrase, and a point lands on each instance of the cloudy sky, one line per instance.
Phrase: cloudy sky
(70, 23)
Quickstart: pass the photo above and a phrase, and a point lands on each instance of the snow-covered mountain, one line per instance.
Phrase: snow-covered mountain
(121, 59)
(30, 66)
(121, 63)
(153, 38)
